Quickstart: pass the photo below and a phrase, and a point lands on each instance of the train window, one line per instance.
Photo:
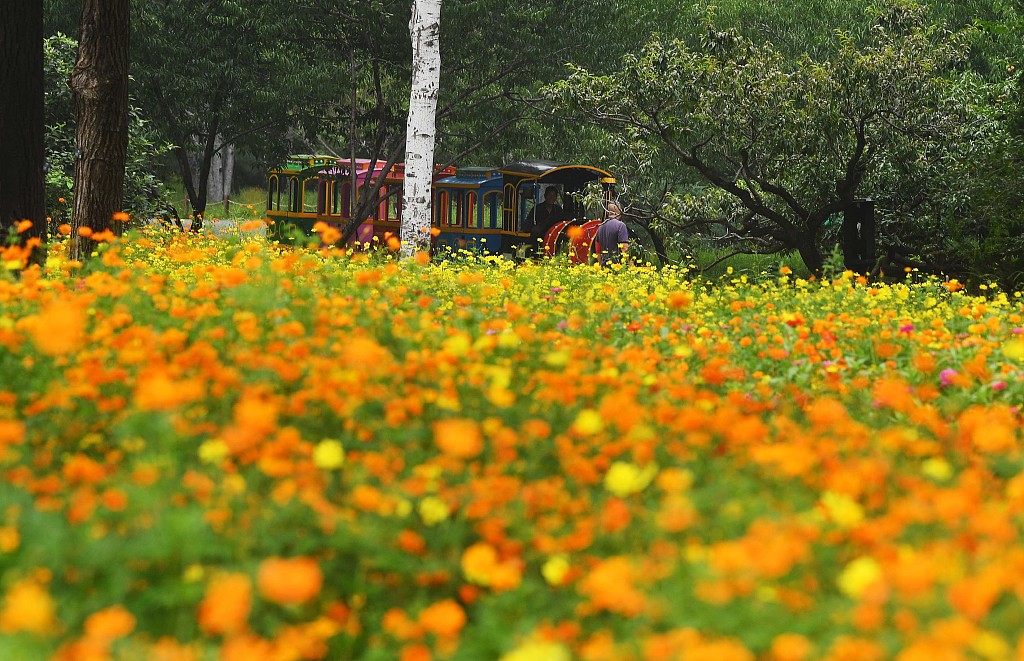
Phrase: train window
(508, 222)
(292, 200)
(492, 210)
(471, 211)
(273, 194)
(442, 206)
(322, 197)
(309, 191)
(455, 209)
(527, 201)
(394, 205)
(342, 193)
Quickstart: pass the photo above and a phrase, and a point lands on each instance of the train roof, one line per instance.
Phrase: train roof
(469, 178)
(554, 171)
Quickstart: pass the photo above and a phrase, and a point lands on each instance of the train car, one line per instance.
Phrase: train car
(311, 189)
(483, 210)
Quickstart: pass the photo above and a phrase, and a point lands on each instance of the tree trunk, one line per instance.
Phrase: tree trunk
(811, 254)
(425, 28)
(215, 183)
(22, 155)
(99, 82)
(229, 175)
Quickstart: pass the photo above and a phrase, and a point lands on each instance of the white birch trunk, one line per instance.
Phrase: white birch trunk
(425, 29)
(215, 184)
(229, 175)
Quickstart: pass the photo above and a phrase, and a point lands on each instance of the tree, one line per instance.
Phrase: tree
(21, 117)
(425, 28)
(785, 145)
(216, 73)
(144, 193)
(99, 82)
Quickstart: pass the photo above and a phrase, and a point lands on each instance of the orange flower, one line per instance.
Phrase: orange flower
(480, 565)
(28, 607)
(416, 652)
(410, 542)
(12, 432)
(246, 648)
(158, 392)
(677, 300)
(458, 437)
(289, 581)
(80, 469)
(790, 647)
(444, 618)
(610, 587)
(225, 607)
(478, 562)
(59, 328)
(115, 500)
(396, 623)
(121, 217)
(109, 624)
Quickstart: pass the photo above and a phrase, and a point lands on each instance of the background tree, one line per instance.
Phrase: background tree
(99, 82)
(216, 73)
(21, 117)
(786, 145)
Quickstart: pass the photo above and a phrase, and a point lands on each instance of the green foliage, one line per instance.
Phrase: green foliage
(143, 191)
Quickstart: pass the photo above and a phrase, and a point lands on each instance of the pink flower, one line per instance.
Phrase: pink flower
(946, 377)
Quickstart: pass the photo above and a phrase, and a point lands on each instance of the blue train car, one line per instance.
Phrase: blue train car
(492, 210)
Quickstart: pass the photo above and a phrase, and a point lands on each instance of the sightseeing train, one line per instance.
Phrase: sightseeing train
(484, 210)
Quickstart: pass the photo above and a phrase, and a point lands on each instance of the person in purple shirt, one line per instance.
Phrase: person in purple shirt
(612, 236)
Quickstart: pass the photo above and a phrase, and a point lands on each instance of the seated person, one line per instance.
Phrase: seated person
(542, 218)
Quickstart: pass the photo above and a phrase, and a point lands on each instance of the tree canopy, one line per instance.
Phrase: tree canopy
(783, 145)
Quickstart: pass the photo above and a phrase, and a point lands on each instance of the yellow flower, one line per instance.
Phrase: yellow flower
(193, 573)
(458, 345)
(433, 510)
(989, 645)
(213, 452)
(234, 484)
(937, 469)
(1014, 350)
(538, 650)
(10, 539)
(858, 575)
(842, 509)
(588, 423)
(555, 569)
(624, 478)
(557, 358)
(329, 454)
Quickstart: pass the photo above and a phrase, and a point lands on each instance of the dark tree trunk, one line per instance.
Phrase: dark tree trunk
(811, 254)
(100, 85)
(22, 155)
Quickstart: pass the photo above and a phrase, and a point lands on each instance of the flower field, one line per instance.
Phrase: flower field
(219, 449)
